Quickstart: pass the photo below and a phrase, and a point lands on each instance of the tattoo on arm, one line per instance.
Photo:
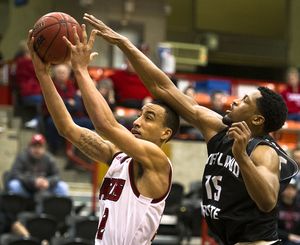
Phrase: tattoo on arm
(93, 147)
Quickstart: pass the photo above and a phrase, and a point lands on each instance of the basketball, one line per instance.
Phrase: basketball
(48, 34)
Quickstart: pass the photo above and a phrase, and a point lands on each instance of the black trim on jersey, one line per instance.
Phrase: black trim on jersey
(114, 156)
(122, 159)
(288, 166)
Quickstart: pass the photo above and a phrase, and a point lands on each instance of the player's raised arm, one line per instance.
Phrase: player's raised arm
(159, 83)
(84, 139)
(146, 153)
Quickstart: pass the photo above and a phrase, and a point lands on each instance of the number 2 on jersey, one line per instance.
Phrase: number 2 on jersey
(213, 181)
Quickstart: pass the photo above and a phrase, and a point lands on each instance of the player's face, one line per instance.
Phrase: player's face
(150, 124)
(242, 109)
(289, 194)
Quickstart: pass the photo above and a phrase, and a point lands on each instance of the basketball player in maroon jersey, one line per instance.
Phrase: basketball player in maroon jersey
(133, 193)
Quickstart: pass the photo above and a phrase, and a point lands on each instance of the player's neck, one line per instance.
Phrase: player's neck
(257, 131)
(256, 134)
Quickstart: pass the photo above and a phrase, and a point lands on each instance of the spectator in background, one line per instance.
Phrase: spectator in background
(291, 94)
(190, 91)
(1, 59)
(129, 89)
(35, 171)
(168, 61)
(65, 85)
(26, 83)
(289, 215)
(185, 127)
(73, 101)
(218, 99)
(10, 225)
(105, 87)
(296, 155)
(2, 69)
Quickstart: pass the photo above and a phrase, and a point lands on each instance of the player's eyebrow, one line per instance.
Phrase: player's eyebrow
(152, 113)
(149, 109)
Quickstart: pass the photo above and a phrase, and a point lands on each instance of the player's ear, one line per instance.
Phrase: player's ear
(258, 120)
(166, 134)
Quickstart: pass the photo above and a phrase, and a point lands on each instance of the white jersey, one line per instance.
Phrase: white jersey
(126, 217)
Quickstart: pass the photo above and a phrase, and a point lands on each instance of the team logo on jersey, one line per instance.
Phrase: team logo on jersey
(111, 189)
(225, 161)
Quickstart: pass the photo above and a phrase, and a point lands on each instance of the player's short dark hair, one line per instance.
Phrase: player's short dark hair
(273, 108)
(171, 119)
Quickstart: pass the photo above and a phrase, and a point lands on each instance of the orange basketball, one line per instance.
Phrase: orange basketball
(48, 32)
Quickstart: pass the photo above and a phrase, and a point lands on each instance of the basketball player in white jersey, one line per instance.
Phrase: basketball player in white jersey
(133, 193)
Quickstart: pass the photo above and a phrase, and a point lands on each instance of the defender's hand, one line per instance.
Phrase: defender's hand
(103, 30)
(81, 52)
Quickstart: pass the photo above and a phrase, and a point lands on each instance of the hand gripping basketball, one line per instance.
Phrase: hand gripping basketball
(48, 32)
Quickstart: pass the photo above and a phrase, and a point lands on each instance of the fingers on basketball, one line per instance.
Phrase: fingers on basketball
(48, 33)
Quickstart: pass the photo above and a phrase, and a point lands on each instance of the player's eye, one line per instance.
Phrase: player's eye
(149, 117)
(245, 98)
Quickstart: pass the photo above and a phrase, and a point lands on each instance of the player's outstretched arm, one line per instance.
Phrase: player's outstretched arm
(159, 83)
(84, 139)
(144, 152)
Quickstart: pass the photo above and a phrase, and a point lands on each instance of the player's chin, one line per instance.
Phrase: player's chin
(227, 120)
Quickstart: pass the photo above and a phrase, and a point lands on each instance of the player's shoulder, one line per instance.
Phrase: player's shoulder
(265, 149)
(267, 142)
(262, 146)
(265, 155)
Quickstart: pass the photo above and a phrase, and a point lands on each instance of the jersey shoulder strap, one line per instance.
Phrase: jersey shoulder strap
(288, 166)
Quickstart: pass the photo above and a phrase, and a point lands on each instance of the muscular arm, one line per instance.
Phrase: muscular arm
(86, 140)
(159, 83)
(260, 173)
(105, 123)
(149, 155)
(163, 88)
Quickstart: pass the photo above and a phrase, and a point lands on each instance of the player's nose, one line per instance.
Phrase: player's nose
(137, 122)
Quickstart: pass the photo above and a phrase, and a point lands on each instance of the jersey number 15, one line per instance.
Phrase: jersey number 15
(213, 187)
